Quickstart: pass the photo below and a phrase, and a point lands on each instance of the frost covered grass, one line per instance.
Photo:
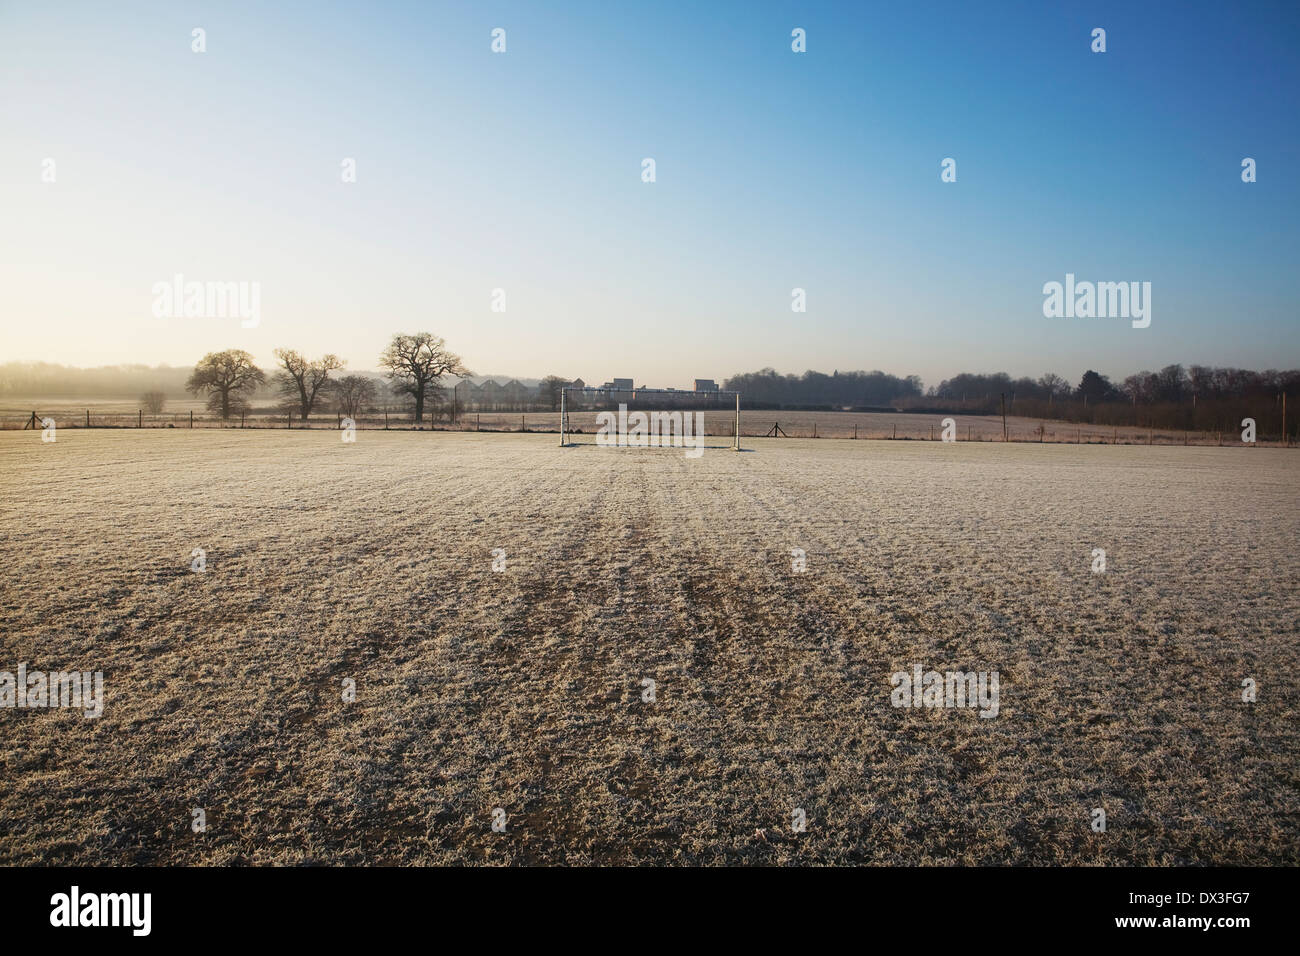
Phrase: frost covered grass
(523, 688)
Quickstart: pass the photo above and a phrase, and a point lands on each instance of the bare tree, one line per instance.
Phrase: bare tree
(1171, 383)
(1141, 387)
(550, 389)
(153, 402)
(1054, 385)
(225, 377)
(416, 364)
(353, 392)
(301, 380)
(1201, 381)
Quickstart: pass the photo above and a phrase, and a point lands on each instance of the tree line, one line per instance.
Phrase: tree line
(1171, 384)
(415, 364)
(768, 388)
(1198, 398)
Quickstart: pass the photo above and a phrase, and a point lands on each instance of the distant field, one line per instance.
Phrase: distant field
(71, 413)
(523, 689)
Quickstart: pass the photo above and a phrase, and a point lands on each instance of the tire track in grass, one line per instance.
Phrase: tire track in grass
(749, 651)
(552, 688)
(606, 796)
(220, 766)
(461, 727)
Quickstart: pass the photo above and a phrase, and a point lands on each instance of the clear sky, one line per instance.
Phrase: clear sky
(775, 170)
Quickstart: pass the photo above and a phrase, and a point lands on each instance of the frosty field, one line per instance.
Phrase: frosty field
(522, 689)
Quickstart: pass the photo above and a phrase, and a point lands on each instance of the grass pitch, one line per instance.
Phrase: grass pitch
(522, 689)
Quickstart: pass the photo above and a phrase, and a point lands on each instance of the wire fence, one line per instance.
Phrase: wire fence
(584, 426)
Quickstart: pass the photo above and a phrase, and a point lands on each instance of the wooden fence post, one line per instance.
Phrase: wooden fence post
(191, 418)
(88, 418)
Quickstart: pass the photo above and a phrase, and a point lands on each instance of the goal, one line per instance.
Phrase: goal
(649, 417)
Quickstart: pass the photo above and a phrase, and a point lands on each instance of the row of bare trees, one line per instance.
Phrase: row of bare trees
(1171, 384)
(1199, 398)
(415, 365)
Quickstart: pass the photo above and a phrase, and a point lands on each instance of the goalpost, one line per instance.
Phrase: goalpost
(665, 411)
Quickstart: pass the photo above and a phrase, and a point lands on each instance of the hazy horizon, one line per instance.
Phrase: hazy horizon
(143, 369)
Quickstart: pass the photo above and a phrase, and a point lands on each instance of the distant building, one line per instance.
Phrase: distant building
(575, 397)
(491, 395)
(619, 385)
(705, 385)
(514, 393)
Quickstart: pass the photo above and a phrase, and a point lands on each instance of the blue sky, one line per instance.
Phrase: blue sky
(775, 170)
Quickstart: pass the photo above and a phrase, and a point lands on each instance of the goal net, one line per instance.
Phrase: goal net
(650, 417)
